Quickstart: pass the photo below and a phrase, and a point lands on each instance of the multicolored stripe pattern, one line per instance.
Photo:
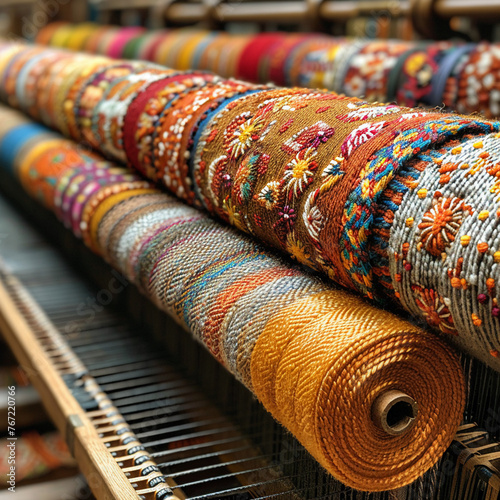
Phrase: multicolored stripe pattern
(458, 76)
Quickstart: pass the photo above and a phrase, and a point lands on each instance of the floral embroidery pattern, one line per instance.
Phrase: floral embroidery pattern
(269, 194)
(285, 222)
(298, 173)
(440, 224)
(362, 111)
(359, 136)
(233, 215)
(475, 86)
(434, 309)
(368, 71)
(241, 132)
(308, 137)
(418, 72)
(297, 249)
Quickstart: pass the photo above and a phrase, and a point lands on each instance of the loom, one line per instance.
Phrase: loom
(149, 414)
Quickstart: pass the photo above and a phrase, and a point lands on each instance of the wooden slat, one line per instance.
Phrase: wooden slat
(104, 476)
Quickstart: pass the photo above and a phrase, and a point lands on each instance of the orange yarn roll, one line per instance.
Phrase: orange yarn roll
(320, 364)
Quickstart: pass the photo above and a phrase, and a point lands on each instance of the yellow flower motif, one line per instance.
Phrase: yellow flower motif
(415, 63)
(327, 268)
(233, 216)
(245, 134)
(296, 249)
(299, 171)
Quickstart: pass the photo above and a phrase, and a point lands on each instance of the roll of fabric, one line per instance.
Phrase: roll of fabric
(396, 204)
(458, 76)
(367, 71)
(419, 73)
(317, 357)
(478, 82)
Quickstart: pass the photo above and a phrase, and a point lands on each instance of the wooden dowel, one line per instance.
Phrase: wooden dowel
(186, 13)
(476, 9)
(344, 10)
(331, 10)
(121, 5)
(262, 11)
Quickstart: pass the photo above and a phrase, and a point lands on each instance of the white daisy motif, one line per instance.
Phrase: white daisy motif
(312, 217)
(299, 171)
(244, 134)
(369, 112)
(359, 136)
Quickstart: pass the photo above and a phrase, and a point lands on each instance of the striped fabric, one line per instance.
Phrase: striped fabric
(459, 76)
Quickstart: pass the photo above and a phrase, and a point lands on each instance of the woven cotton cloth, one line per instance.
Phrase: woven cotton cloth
(396, 204)
(317, 357)
(461, 77)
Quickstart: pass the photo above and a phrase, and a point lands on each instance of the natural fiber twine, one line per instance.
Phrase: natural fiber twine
(315, 356)
(319, 365)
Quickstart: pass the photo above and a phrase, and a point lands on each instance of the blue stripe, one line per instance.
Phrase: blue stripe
(200, 49)
(445, 70)
(201, 128)
(12, 142)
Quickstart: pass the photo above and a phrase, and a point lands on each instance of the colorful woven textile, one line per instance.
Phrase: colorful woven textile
(398, 205)
(34, 455)
(461, 77)
(316, 357)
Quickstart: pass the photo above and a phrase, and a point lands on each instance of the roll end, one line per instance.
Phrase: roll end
(394, 412)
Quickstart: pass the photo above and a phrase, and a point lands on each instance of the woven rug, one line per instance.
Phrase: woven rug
(317, 357)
